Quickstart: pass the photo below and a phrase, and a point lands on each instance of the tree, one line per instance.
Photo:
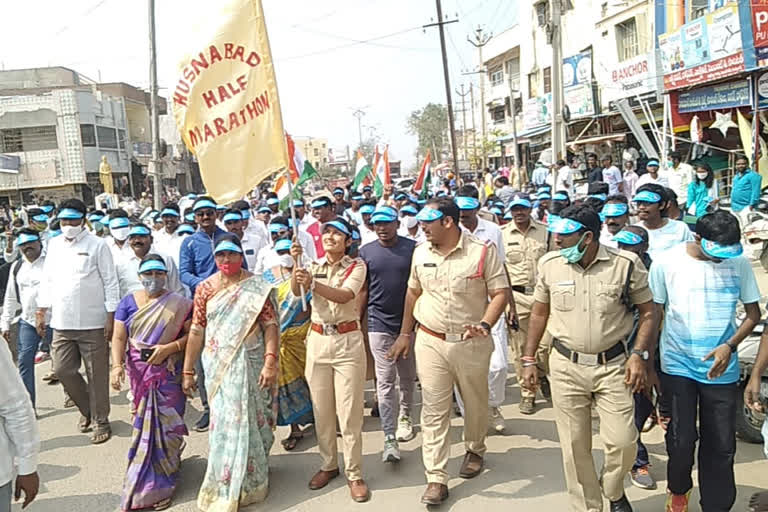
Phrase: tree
(430, 125)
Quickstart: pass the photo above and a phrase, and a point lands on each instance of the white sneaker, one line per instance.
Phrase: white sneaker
(405, 429)
(391, 450)
(496, 420)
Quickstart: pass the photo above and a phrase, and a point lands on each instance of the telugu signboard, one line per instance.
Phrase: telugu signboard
(705, 49)
(715, 97)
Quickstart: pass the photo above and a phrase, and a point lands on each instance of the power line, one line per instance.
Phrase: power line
(348, 45)
(360, 41)
(86, 13)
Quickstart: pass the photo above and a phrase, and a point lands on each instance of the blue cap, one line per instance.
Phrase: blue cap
(428, 214)
(519, 201)
(273, 200)
(508, 215)
(25, 238)
(467, 203)
(221, 207)
(93, 217)
(400, 196)
(152, 265)
(560, 196)
(320, 202)
(367, 209)
(722, 252)
(601, 197)
(335, 224)
(69, 213)
(232, 217)
(54, 233)
(277, 227)
(47, 208)
(169, 212)
(119, 222)
(543, 195)
(499, 204)
(227, 246)
(652, 163)
(564, 226)
(409, 209)
(357, 197)
(298, 203)
(384, 214)
(190, 217)
(646, 196)
(338, 190)
(367, 188)
(421, 202)
(283, 244)
(627, 238)
(355, 234)
(245, 213)
(496, 211)
(185, 228)
(614, 210)
(203, 203)
(139, 231)
(264, 209)
(40, 217)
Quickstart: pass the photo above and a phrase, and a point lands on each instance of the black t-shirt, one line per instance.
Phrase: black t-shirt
(388, 271)
(596, 174)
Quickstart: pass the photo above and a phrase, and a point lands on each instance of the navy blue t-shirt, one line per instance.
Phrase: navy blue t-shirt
(388, 271)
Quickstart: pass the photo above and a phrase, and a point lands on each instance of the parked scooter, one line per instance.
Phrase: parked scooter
(748, 422)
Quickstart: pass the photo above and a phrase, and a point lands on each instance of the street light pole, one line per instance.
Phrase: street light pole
(359, 115)
(154, 164)
(558, 129)
(480, 41)
(446, 76)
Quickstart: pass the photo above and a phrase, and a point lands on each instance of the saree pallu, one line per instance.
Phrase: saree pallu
(294, 401)
(158, 426)
(242, 414)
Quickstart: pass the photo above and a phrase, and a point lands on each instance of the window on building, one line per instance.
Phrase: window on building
(121, 138)
(497, 115)
(317, 152)
(88, 135)
(34, 138)
(627, 43)
(513, 72)
(107, 137)
(497, 76)
(533, 85)
(547, 80)
(698, 9)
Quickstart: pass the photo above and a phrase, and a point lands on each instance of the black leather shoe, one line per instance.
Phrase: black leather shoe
(621, 505)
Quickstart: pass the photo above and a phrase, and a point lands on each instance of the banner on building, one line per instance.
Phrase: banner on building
(577, 69)
(537, 112)
(715, 97)
(10, 163)
(629, 79)
(760, 30)
(706, 49)
(226, 104)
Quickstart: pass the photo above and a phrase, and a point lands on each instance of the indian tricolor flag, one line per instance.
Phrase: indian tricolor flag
(380, 171)
(299, 172)
(362, 170)
(421, 187)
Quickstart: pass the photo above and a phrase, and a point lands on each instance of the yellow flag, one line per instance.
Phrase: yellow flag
(226, 104)
(745, 134)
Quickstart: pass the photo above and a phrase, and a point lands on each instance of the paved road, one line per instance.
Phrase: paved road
(523, 468)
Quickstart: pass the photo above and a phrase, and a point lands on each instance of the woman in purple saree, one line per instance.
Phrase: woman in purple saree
(150, 334)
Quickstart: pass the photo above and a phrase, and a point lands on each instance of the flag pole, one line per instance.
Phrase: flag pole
(295, 229)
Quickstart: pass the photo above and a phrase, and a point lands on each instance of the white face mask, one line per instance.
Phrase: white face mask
(120, 233)
(286, 260)
(409, 221)
(71, 231)
(701, 175)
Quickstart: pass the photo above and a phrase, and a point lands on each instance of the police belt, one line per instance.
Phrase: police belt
(340, 328)
(590, 359)
(451, 338)
(525, 290)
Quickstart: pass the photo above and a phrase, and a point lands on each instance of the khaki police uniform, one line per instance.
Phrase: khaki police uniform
(336, 365)
(454, 293)
(522, 254)
(587, 316)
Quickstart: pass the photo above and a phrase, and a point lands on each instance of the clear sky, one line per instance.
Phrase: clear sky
(323, 70)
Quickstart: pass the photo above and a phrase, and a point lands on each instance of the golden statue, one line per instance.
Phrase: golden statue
(105, 176)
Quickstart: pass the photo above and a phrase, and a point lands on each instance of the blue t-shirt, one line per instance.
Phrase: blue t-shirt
(388, 271)
(699, 299)
(745, 190)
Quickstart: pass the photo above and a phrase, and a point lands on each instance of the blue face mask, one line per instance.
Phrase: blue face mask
(573, 254)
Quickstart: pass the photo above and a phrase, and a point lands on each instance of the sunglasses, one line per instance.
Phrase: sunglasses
(206, 212)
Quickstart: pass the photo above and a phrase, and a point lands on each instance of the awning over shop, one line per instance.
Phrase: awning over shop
(613, 137)
(525, 137)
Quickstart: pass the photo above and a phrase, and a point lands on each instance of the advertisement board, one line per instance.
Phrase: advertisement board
(630, 78)
(760, 30)
(715, 97)
(537, 112)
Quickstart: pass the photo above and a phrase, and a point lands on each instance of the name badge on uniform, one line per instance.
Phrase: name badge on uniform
(321, 276)
(82, 254)
(566, 283)
(430, 265)
(249, 251)
(513, 243)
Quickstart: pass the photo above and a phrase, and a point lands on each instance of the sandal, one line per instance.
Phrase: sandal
(101, 435)
(84, 425)
(759, 502)
(290, 442)
(162, 505)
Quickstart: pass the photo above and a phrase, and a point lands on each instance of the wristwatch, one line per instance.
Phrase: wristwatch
(732, 346)
(486, 326)
(642, 353)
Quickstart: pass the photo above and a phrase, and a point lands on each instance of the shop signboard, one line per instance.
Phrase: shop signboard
(580, 100)
(762, 91)
(629, 79)
(715, 97)
(10, 163)
(578, 94)
(706, 49)
(760, 30)
(577, 69)
(537, 112)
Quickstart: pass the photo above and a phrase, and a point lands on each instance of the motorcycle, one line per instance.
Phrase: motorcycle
(749, 423)
(756, 234)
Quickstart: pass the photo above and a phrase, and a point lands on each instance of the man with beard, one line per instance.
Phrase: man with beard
(140, 240)
(615, 215)
(339, 204)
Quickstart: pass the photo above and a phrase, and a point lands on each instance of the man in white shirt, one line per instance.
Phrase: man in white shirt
(654, 175)
(663, 233)
(564, 180)
(164, 239)
(140, 240)
(279, 228)
(19, 436)
(23, 286)
(119, 226)
(409, 226)
(497, 373)
(233, 222)
(615, 215)
(680, 175)
(612, 176)
(81, 290)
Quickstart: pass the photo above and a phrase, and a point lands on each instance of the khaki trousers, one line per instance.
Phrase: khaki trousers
(440, 365)
(68, 350)
(573, 388)
(523, 304)
(335, 372)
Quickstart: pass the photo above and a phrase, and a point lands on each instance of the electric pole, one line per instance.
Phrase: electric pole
(480, 41)
(154, 164)
(558, 128)
(513, 113)
(474, 129)
(464, 120)
(359, 115)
